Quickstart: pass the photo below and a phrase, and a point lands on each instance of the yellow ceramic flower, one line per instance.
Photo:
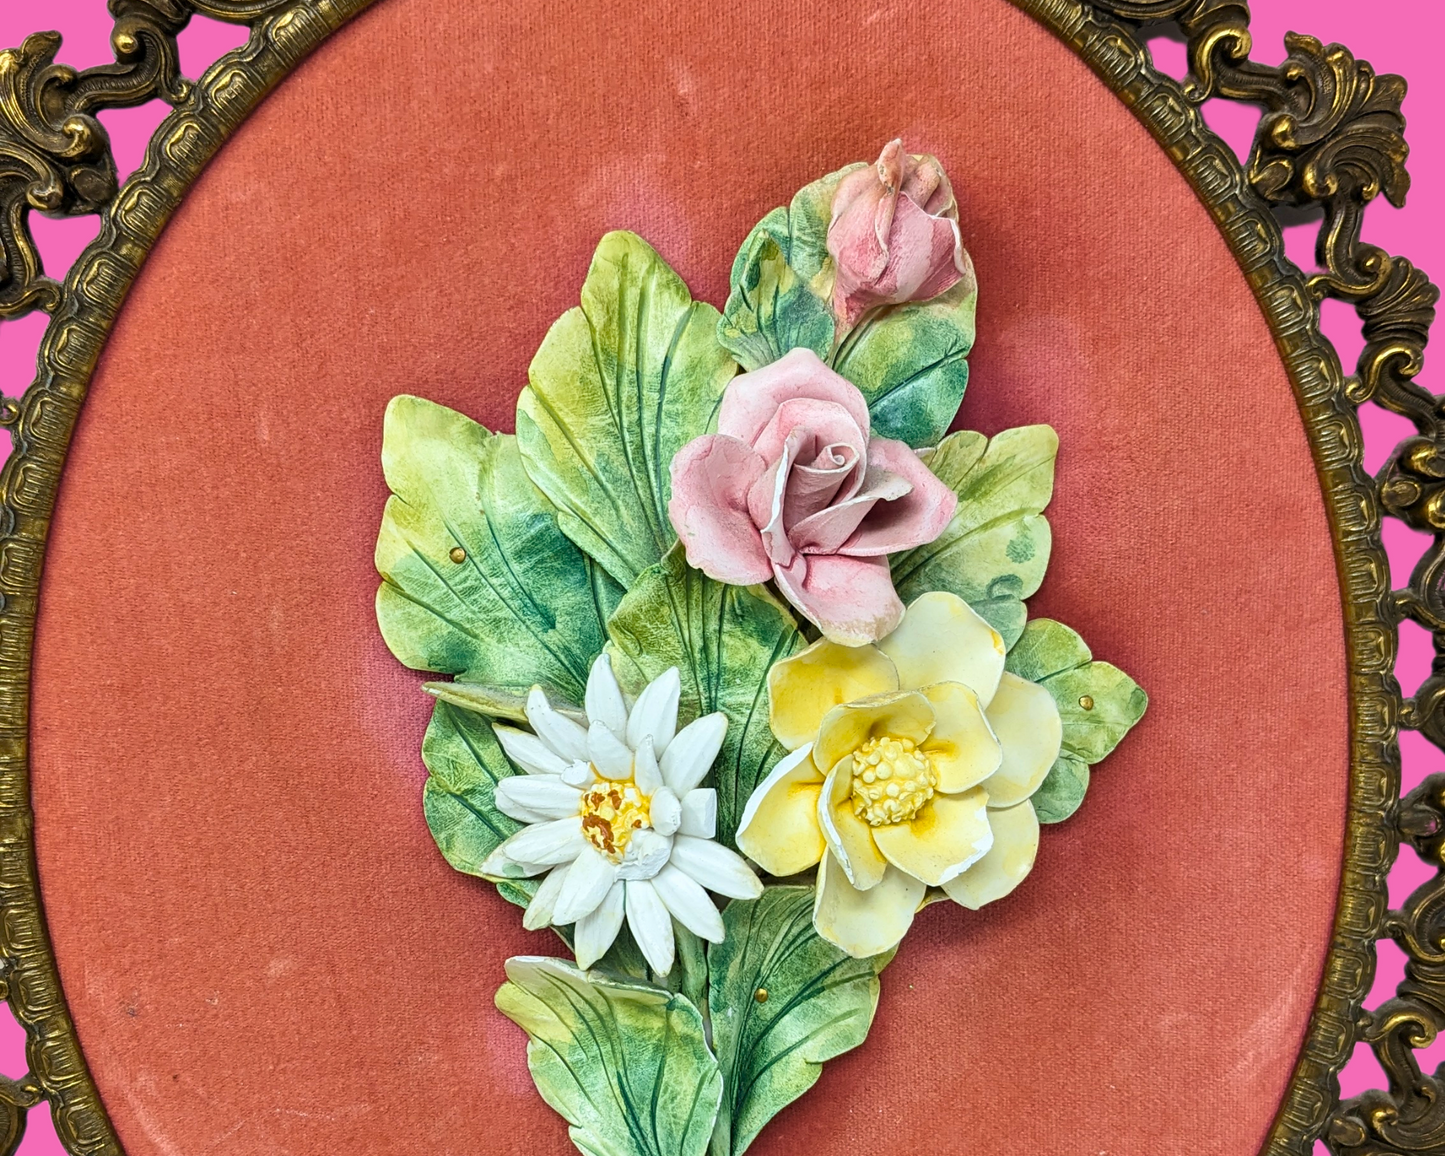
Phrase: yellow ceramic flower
(911, 765)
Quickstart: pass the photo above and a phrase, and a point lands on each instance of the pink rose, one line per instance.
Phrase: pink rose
(894, 234)
(792, 487)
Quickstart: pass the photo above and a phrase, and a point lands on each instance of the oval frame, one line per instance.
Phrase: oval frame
(1331, 139)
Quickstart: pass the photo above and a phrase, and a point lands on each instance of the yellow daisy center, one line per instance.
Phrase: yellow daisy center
(892, 779)
(611, 811)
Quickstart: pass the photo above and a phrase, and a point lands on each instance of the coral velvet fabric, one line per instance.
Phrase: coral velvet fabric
(262, 948)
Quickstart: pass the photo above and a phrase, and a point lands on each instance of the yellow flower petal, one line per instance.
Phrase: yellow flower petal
(1015, 843)
(941, 639)
(864, 923)
(902, 714)
(962, 746)
(779, 828)
(1026, 720)
(950, 834)
(849, 838)
(802, 689)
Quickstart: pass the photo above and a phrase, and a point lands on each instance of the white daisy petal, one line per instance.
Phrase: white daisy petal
(645, 771)
(699, 813)
(529, 752)
(596, 931)
(546, 844)
(647, 853)
(500, 865)
(604, 700)
(589, 879)
(556, 730)
(655, 711)
(651, 925)
(537, 798)
(666, 811)
(579, 775)
(689, 903)
(690, 755)
(609, 754)
(539, 912)
(715, 867)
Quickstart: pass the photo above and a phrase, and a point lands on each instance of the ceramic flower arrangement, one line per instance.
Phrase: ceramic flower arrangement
(743, 676)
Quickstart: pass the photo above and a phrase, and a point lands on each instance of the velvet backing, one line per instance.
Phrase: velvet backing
(261, 946)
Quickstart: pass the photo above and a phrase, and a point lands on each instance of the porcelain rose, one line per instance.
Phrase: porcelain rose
(912, 764)
(792, 487)
(617, 821)
(894, 234)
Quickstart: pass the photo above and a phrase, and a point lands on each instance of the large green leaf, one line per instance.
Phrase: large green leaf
(627, 1065)
(771, 309)
(819, 1002)
(619, 385)
(477, 579)
(1097, 702)
(723, 640)
(994, 552)
(910, 361)
(465, 762)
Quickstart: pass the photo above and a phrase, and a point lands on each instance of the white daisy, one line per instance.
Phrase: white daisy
(617, 820)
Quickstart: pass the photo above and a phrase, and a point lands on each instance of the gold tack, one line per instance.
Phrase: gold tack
(458, 555)
(1087, 702)
(761, 995)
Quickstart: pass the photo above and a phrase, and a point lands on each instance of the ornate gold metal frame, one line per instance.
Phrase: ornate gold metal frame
(1331, 139)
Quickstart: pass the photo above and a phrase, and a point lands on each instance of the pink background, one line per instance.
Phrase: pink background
(1393, 36)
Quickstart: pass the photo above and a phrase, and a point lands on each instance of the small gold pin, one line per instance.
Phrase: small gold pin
(1087, 702)
(761, 995)
(458, 555)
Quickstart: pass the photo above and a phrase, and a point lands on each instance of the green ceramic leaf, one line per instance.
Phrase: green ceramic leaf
(1047, 648)
(820, 1002)
(619, 385)
(771, 309)
(464, 763)
(995, 551)
(1097, 702)
(723, 640)
(1062, 791)
(522, 605)
(910, 361)
(627, 1065)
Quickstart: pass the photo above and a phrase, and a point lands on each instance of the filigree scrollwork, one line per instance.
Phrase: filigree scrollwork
(1409, 1115)
(55, 156)
(16, 1098)
(1217, 32)
(1331, 139)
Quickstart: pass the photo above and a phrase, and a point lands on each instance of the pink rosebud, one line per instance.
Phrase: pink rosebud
(792, 487)
(894, 234)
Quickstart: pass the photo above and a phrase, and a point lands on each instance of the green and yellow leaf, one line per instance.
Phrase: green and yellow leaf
(1097, 702)
(994, 552)
(771, 309)
(911, 363)
(626, 1064)
(723, 640)
(620, 384)
(783, 1001)
(477, 579)
(465, 763)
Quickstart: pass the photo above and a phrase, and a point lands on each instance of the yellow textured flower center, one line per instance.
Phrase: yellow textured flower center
(611, 811)
(892, 779)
